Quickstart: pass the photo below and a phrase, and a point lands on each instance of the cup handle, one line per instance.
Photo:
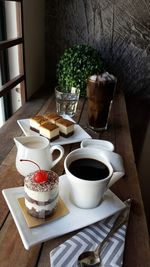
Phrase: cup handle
(118, 168)
(61, 149)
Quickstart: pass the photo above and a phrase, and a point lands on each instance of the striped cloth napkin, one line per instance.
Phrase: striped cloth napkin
(66, 255)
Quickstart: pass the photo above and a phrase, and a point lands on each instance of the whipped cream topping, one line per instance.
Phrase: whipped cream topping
(42, 196)
(38, 208)
(51, 183)
(102, 77)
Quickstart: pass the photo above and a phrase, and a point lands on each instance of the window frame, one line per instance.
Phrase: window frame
(21, 78)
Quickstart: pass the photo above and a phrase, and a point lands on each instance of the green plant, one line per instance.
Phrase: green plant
(76, 65)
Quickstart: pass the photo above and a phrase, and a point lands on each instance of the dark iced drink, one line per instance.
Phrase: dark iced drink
(100, 93)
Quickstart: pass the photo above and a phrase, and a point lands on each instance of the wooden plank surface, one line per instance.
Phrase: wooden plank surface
(128, 187)
(137, 245)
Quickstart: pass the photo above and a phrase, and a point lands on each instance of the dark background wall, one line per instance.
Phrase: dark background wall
(119, 29)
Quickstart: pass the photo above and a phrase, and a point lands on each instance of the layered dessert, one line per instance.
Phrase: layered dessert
(36, 121)
(49, 130)
(52, 117)
(41, 193)
(66, 127)
(51, 126)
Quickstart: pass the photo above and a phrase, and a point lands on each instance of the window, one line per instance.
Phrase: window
(12, 75)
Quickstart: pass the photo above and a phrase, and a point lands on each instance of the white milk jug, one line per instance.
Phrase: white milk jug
(37, 149)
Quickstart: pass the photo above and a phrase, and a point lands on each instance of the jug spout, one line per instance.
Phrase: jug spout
(17, 142)
(20, 140)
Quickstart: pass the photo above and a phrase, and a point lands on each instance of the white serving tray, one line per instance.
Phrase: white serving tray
(76, 219)
(78, 136)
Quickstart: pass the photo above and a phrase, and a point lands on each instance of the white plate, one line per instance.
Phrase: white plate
(78, 136)
(76, 219)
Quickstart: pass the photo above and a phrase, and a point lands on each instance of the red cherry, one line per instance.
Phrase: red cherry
(40, 176)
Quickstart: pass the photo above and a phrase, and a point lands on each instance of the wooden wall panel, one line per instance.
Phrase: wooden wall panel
(119, 29)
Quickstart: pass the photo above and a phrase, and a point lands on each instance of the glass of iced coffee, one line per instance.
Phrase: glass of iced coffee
(100, 93)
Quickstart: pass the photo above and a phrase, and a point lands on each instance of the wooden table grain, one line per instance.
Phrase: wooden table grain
(12, 251)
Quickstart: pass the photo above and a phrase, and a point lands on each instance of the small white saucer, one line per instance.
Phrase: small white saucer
(101, 144)
(76, 219)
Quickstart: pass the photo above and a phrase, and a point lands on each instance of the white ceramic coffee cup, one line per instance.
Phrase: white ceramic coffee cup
(89, 193)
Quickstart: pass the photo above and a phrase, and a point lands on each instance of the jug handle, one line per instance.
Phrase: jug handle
(61, 150)
(115, 177)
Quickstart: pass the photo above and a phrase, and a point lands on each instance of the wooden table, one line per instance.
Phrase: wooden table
(12, 251)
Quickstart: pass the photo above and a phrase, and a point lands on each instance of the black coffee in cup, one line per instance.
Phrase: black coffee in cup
(89, 169)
